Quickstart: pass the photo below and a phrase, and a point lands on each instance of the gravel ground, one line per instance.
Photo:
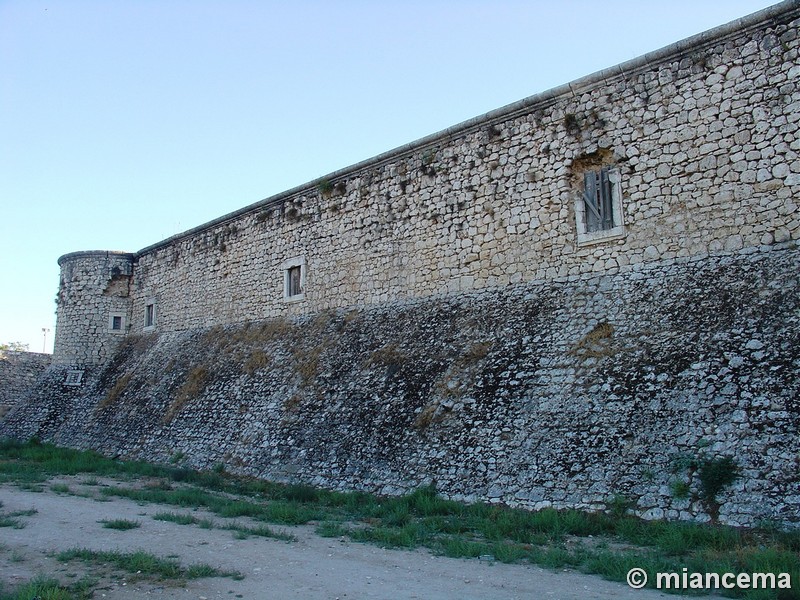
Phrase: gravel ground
(310, 568)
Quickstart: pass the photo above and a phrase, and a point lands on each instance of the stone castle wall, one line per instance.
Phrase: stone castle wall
(563, 394)
(19, 372)
(459, 324)
(703, 136)
(94, 287)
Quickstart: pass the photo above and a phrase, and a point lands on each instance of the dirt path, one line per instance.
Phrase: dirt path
(310, 568)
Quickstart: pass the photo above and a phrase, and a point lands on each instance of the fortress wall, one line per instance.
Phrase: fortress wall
(18, 374)
(94, 288)
(560, 394)
(457, 327)
(704, 140)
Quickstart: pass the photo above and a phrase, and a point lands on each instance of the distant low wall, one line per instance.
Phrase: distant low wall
(18, 373)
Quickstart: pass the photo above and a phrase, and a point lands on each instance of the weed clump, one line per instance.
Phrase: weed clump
(194, 385)
(595, 344)
(121, 524)
(116, 391)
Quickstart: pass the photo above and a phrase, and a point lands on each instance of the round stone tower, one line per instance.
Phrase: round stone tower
(94, 306)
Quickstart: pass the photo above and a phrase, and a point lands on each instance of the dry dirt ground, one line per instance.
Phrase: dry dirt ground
(311, 567)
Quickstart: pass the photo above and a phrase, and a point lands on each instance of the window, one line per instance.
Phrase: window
(597, 198)
(73, 377)
(150, 315)
(598, 211)
(294, 279)
(295, 287)
(116, 322)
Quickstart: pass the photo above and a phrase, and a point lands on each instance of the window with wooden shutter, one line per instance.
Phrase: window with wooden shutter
(598, 209)
(598, 200)
(295, 286)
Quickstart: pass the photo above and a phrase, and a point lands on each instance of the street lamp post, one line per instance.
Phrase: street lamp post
(44, 341)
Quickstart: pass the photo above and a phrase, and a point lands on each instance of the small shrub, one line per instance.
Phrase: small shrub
(242, 532)
(180, 519)
(647, 475)
(143, 563)
(572, 124)
(388, 355)
(679, 489)
(324, 187)
(308, 364)
(715, 475)
(41, 588)
(427, 416)
(292, 404)
(618, 506)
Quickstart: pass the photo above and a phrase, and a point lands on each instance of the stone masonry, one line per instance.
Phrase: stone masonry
(19, 372)
(703, 135)
(450, 311)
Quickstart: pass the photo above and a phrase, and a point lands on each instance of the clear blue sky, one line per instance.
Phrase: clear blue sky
(125, 122)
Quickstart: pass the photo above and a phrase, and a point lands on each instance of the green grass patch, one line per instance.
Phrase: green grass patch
(330, 529)
(121, 524)
(240, 531)
(144, 563)
(49, 589)
(243, 532)
(28, 512)
(11, 519)
(605, 543)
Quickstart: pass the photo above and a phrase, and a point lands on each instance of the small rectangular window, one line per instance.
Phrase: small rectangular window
(116, 323)
(295, 287)
(598, 208)
(294, 279)
(73, 377)
(149, 315)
